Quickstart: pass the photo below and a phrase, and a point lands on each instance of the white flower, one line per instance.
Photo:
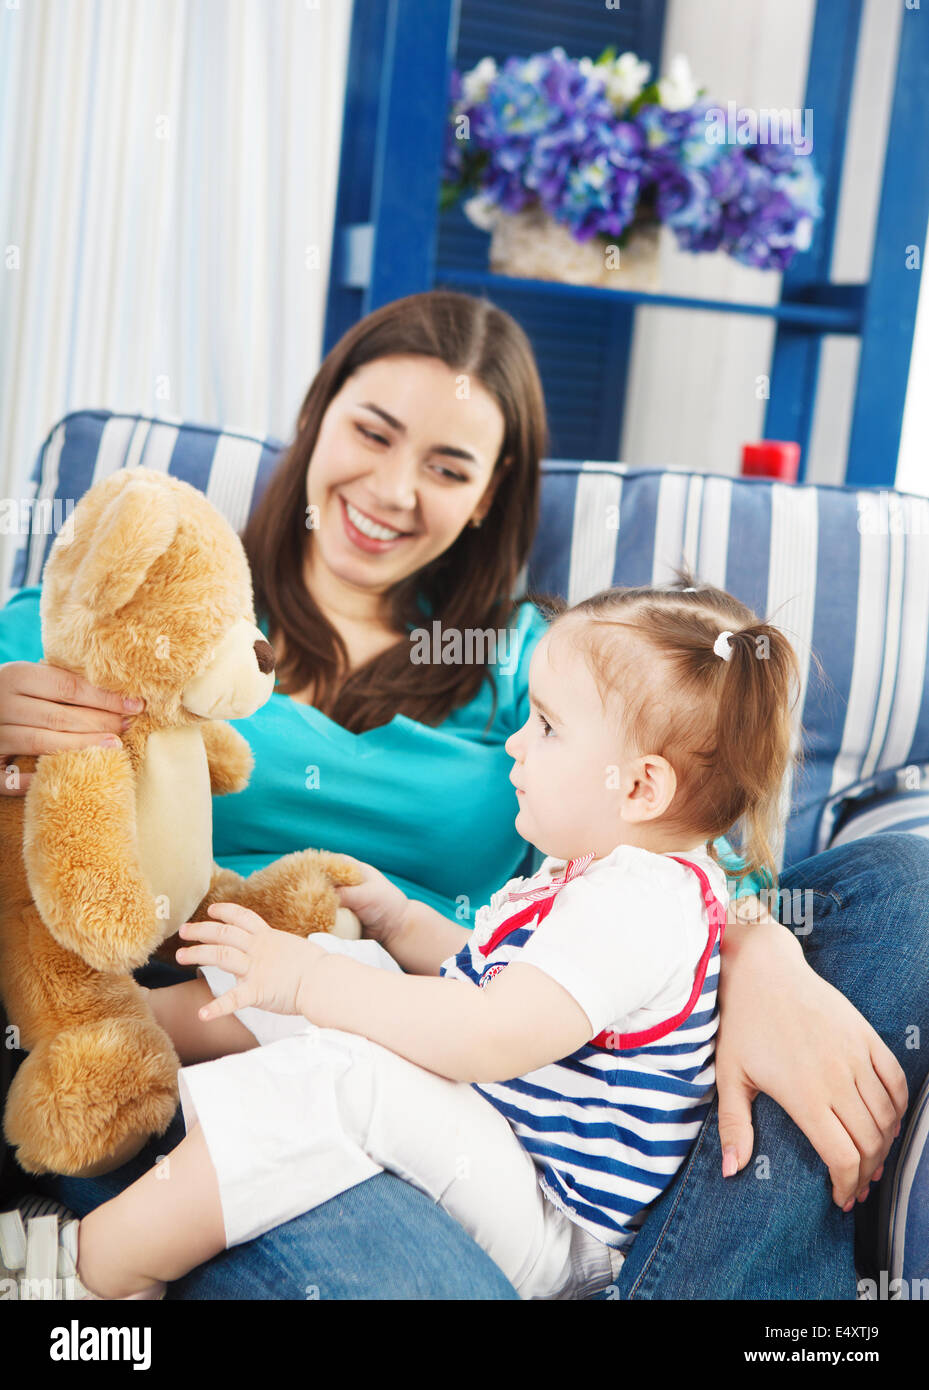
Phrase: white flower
(482, 211)
(474, 84)
(625, 78)
(593, 174)
(678, 90)
(586, 68)
(803, 235)
(533, 68)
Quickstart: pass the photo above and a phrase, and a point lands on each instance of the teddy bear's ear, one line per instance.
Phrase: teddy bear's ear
(133, 530)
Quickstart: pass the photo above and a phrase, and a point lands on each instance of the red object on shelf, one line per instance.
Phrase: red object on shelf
(771, 458)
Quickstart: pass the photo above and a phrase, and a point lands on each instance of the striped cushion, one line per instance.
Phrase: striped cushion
(843, 570)
(905, 1206)
(232, 469)
(851, 802)
(897, 810)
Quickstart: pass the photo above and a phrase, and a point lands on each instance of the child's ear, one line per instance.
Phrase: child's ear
(650, 787)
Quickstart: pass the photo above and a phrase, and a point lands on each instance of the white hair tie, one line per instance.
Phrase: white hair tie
(722, 647)
(688, 591)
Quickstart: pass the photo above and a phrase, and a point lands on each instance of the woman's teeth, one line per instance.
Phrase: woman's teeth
(369, 528)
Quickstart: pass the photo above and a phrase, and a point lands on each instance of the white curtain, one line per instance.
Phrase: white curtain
(168, 173)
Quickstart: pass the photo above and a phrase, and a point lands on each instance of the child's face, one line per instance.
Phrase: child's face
(579, 789)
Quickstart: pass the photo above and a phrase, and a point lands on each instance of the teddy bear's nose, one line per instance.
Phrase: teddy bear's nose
(265, 654)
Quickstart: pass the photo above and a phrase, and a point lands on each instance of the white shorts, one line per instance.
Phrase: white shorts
(314, 1111)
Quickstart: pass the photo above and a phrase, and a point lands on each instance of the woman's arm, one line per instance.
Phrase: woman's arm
(176, 1008)
(785, 1031)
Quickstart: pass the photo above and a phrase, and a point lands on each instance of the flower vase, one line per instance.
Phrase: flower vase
(532, 245)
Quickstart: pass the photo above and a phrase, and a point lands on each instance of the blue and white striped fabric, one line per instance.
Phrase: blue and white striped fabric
(895, 811)
(905, 1204)
(609, 1126)
(231, 469)
(843, 571)
(883, 802)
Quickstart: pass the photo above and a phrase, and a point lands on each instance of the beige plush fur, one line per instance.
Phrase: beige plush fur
(147, 592)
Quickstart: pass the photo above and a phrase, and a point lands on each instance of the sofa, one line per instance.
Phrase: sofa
(843, 571)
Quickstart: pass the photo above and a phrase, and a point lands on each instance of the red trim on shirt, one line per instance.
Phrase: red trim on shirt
(544, 896)
(526, 914)
(539, 909)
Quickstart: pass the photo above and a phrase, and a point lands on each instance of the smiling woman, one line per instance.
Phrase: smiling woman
(410, 490)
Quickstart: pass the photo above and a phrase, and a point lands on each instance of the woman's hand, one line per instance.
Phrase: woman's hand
(786, 1031)
(46, 709)
(381, 906)
(271, 965)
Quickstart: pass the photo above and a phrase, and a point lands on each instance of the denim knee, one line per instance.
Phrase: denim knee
(895, 857)
(860, 893)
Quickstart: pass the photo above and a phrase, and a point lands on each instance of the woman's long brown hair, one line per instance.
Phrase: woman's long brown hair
(471, 584)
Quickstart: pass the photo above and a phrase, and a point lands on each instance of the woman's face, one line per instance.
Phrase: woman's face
(402, 463)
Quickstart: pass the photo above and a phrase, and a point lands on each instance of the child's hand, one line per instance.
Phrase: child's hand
(271, 965)
(381, 906)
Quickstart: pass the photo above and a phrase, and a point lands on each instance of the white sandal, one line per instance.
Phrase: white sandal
(38, 1260)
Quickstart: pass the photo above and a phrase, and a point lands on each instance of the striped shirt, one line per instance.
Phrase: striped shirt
(634, 937)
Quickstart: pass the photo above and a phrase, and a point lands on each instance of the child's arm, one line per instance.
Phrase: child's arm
(418, 937)
(425, 940)
(522, 1020)
(176, 1008)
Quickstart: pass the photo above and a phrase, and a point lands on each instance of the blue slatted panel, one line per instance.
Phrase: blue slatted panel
(502, 28)
(399, 58)
(581, 355)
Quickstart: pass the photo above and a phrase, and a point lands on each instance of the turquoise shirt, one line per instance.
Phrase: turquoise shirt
(431, 807)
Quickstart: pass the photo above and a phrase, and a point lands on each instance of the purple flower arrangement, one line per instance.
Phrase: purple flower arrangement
(604, 153)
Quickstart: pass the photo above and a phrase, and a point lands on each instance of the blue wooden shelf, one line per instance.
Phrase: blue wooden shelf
(812, 316)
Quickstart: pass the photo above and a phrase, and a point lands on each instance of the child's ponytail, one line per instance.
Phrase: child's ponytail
(755, 742)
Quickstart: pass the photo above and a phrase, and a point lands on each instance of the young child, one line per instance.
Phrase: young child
(543, 1075)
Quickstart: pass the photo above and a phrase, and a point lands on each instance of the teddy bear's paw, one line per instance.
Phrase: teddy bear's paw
(293, 894)
(234, 773)
(86, 1101)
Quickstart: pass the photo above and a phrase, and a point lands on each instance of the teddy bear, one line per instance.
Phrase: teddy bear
(145, 592)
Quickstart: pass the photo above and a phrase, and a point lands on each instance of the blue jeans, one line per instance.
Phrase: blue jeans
(748, 1237)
